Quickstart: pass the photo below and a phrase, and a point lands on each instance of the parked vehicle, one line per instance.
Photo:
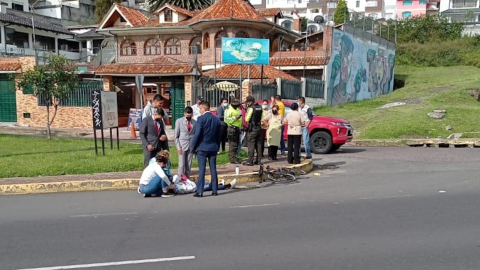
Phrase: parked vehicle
(327, 134)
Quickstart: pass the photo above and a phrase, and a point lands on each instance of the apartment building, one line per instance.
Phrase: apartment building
(461, 10)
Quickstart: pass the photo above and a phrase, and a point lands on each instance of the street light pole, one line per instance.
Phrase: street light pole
(33, 31)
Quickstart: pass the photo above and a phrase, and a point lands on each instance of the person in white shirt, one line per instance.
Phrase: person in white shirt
(152, 105)
(196, 108)
(154, 180)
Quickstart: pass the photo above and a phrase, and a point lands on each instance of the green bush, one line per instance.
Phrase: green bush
(457, 52)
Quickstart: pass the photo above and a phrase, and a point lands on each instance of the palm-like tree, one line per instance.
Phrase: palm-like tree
(185, 4)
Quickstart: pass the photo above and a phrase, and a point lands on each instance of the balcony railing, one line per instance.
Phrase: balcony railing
(83, 56)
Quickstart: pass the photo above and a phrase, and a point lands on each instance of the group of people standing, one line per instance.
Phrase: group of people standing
(202, 134)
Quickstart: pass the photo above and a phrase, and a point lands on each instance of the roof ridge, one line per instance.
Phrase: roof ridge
(229, 9)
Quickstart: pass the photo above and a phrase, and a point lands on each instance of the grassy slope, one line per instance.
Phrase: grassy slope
(433, 88)
(29, 156)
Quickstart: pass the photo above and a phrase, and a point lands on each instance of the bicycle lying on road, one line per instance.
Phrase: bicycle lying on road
(284, 175)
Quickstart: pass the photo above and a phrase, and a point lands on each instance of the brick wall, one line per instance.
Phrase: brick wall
(207, 56)
(67, 117)
(188, 89)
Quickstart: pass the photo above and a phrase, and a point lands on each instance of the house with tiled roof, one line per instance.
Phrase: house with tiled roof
(174, 47)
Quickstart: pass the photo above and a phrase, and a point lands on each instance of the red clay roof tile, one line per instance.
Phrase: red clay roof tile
(233, 71)
(10, 65)
(238, 9)
(144, 69)
(133, 16)
(269, 12)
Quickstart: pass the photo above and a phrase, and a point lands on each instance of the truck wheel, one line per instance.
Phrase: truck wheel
(321, 142)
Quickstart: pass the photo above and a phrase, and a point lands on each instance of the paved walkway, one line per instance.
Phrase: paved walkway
(226, 169)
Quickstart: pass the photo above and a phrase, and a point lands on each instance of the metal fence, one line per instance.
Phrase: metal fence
(291, 89)
(79, 97)
(214, 93)
(264, 91)
(314, 88)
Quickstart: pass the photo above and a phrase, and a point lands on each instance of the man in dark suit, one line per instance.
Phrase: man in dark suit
(152, 134)
(206, 143)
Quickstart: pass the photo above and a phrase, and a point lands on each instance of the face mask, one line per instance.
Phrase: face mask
(235, 106)
(264, 107)
(189, 118)
(275, 112)
(225, 104)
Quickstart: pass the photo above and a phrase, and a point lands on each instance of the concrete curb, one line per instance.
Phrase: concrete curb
(435, 142)
(117, 184)
(379, 143)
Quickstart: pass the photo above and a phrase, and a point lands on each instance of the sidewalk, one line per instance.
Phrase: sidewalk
(126, 180)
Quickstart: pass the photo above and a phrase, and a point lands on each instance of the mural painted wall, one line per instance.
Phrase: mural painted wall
(358, 69)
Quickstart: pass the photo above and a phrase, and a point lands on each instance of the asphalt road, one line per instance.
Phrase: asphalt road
(383, 208)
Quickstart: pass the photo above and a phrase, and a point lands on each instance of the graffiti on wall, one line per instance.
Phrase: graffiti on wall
(359, 69)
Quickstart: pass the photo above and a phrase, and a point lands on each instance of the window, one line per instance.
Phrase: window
(206, 41)
(128, 48)
(407, 2)
(287, 24)
(196, 45)
(168, 15)
(241, 34)
(423, 2)
(122, 19)
(332, 5)
(371, 3)
(218, 39)
(173, 47)
(358, 4)
(153, 47)
(464, 3)
(17, 6)
(407, 14)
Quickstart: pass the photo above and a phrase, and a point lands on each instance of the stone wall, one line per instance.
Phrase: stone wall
(67, 117)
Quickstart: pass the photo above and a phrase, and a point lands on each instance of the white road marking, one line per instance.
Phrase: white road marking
(92, 265)
(105, 214)
(255, 205)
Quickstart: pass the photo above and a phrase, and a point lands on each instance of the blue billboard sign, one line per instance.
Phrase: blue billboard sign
(245, 51)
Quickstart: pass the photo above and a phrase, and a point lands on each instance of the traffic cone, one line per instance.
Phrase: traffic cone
(133, 133)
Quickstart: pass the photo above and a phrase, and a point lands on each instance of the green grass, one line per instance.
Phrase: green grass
(30, 156)
(430, 87)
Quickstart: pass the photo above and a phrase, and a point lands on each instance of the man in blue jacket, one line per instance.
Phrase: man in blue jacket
(206, 142)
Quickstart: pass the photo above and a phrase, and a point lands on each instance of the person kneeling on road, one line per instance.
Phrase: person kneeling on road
(156, 178)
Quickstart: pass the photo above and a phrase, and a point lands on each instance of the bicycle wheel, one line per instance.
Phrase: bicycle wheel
(299, 172)
(281, 177)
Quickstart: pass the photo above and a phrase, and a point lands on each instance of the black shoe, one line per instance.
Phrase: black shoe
(247, 164)
(275, 159)
(235, 162)
(197, 195)
(308, 157)
(258, 163)
(214, 194)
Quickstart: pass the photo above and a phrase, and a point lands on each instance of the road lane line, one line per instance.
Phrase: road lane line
(255, 205)
(105, 214)
(92, 265)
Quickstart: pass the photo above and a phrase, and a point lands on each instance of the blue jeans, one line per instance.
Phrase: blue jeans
(282, 142)
(306, 141)
(208, 187)
(202, 157)
(154, 187)
(240, 143)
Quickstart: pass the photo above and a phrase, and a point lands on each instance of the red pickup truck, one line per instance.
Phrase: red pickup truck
(327, 134)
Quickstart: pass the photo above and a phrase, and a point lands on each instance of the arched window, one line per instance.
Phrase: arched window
(241, 34)
(206, 41)
(406, 14)
(196, 45)
(218, 38)
(287, 24)
(173, 46)
(153, 47)
(128, 47)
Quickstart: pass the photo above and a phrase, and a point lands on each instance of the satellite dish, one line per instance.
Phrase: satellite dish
(319, 19)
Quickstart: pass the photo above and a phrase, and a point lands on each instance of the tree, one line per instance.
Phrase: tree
(102, 7)
(51, 83)
(185, 4)
(341, 13)
(304, 24)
